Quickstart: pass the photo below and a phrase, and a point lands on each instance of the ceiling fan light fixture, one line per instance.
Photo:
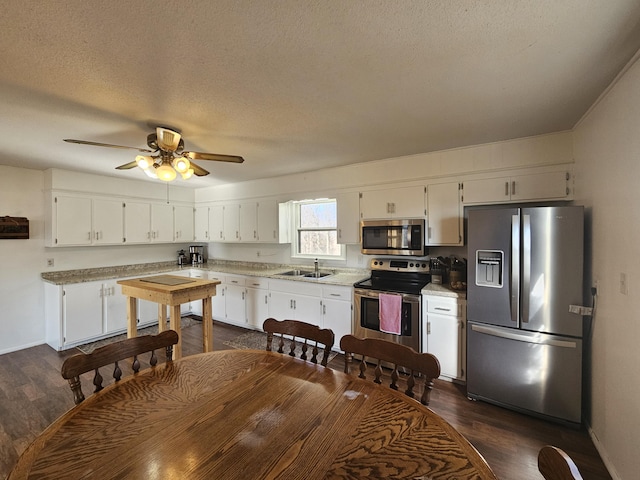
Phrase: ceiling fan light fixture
(181, 164)
(151, 172)
(144, 161)
(166, 173)
(167, 139)
(188, 174)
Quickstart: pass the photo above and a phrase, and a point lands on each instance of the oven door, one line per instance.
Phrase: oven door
(367, 318)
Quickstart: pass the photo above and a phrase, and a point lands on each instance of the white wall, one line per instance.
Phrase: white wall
(21, 310)
(607, 153)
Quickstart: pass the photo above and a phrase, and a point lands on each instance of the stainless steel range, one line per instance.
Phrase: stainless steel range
(405, 277)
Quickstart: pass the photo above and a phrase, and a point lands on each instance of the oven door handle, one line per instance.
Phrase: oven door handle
(406, 297)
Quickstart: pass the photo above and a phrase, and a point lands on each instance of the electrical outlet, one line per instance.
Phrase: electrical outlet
(49, 262)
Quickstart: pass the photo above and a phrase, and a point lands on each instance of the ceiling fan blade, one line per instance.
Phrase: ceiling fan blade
(214, 157)
(198, 170)
(127, 166)
(97, 144)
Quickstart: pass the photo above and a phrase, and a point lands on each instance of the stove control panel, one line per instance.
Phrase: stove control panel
(419, 265)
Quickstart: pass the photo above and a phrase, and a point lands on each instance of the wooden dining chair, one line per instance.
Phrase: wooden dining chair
(398, 357)
(76, 365)
(555, 464)
(301, 331)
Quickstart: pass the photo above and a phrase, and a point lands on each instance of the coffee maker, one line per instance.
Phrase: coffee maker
(197, 254)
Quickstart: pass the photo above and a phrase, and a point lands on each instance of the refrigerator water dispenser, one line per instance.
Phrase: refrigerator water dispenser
(489, 268)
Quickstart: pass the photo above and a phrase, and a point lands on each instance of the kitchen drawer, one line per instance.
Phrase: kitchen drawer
(337, 293)
(446, 306)
(215, 276)
(257, 282)
(234, 280)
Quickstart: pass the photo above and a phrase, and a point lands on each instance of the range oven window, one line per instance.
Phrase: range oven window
(370, 315)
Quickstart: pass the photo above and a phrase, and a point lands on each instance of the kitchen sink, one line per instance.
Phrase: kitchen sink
(319, 275)
(298, 273)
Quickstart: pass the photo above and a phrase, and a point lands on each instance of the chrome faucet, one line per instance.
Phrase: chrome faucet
(315, 267)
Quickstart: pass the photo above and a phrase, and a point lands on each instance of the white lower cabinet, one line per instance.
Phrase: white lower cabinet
(217, 301)
(115, 307)
(290, 300)
(82, 312)
(257, 301)
(444, 334)
(337, 311)
(234, 301)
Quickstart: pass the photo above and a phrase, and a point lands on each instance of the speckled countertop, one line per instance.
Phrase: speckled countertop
(339, 276)
(443, 291)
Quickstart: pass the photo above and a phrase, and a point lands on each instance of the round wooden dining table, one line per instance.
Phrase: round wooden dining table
(249, 414)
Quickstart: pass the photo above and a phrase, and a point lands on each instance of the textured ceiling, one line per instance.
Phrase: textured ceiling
(297, 85)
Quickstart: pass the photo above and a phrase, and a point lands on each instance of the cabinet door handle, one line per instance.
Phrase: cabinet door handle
(442, 309)
(324, 309)
(506, 189)
(428, 328)
(89, 236)
(265, 299)
(513, 187)
(291, 304)
(242, 295)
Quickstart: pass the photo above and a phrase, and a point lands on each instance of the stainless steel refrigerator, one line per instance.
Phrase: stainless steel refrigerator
(524, 346)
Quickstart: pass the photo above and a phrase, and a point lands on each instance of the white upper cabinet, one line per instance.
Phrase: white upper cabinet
(231, 222)
(201, 224)
(248, 222)
(161, 223)
(216, 223)
(183, 220)
(72, 225)
(108, 222)
(146, 222)
(137, 222)
(404, 202)
(268, 227)
(444, 214)
(348, 211)
(518, 188)
(78, 220)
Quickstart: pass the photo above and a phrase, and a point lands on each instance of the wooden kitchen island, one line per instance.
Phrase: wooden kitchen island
(173, 291)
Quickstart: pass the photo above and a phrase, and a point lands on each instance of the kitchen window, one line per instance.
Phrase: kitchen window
(316, 227)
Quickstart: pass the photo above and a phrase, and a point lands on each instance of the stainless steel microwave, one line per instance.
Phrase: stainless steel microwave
(393, 237)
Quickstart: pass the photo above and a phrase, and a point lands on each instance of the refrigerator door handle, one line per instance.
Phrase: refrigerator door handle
(526, 267)
(515, 268)
(539, 338)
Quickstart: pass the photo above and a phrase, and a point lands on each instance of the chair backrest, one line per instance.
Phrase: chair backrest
(76, 365)
(398, 357)
(300, 330)
(555, 464)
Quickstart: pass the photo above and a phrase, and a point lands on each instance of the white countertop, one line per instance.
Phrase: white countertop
(339, 276)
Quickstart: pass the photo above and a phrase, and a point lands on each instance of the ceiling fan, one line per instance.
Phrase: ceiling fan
(168, 157)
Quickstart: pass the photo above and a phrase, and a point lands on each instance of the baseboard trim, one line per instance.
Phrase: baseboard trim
(603, 454)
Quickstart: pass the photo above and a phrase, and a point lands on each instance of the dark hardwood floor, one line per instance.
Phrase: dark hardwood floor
(33, 394)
